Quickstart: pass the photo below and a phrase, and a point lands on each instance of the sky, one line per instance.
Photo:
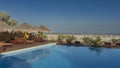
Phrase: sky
(67, 16)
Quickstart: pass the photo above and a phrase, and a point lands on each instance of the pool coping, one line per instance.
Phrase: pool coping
(26, 49)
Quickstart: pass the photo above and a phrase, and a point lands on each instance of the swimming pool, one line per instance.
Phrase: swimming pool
(62, 57)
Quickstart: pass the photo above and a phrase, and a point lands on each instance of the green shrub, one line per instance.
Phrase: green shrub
(52, 40)
(90, 41)
(61, 37)
(87, 40)
(70, 37)
(97, 41)
(42, 35)
(116, 40)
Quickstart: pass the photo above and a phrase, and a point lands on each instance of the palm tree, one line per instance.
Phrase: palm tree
(12, 22)
(4, 17)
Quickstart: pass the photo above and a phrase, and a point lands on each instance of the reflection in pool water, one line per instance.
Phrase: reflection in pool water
(98, 51)
(22, 60)
(64, 57)
(34, 55)
(13, 62)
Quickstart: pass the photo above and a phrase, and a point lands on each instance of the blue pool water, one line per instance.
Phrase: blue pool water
(63, 57)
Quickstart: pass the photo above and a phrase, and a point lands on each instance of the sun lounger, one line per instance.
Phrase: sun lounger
(30, 41)
(3, 46)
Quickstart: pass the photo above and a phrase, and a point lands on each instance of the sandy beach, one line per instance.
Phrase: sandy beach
(80, 36)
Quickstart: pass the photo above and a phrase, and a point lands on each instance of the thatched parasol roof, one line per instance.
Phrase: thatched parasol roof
(5, 27)
(24, 27)
(42, 28)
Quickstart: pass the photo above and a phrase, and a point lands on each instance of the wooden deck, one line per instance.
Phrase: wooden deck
(19, 46)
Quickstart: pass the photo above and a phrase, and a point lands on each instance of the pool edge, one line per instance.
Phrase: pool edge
(29, 48)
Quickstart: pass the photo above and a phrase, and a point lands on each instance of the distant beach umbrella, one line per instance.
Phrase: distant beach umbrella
(36, 29)
(42, 28)
(5, 27)
(24, 27)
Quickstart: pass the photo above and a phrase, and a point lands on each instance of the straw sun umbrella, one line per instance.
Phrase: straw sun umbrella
(5, 27)
(28, 28)
(42, 28)
(24, 27)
